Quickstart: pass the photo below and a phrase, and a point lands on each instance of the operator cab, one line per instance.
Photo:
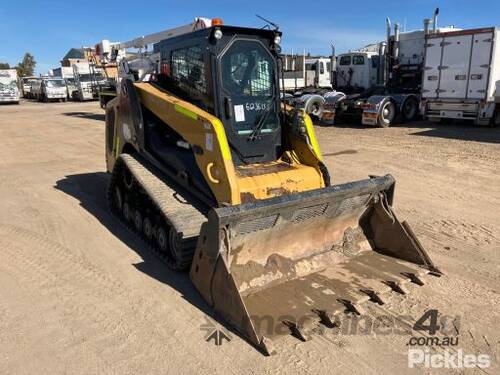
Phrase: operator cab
(232, 73)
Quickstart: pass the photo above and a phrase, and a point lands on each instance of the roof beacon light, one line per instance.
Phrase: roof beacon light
(217, 22)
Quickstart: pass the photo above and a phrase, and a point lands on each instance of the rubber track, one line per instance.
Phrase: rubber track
(175, 210)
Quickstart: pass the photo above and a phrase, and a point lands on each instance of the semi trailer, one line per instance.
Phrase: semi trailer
(462, 76)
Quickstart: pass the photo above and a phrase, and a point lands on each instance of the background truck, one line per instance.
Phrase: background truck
(49, 89)
(358, 71)
(88, 79)
(304, 80)
(381, 83)
(66, 73)
(26, 86)
(9, 90)
(462, 76)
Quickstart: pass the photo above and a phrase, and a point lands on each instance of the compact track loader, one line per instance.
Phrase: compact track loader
(220, 177)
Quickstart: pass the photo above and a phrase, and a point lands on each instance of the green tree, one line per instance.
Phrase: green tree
(4, 65)
(27, 66)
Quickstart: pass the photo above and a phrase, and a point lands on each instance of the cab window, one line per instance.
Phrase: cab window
(311, 66)
(345, 60)
(358, 60)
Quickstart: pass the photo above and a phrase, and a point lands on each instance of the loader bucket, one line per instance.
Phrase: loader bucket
(283, 265)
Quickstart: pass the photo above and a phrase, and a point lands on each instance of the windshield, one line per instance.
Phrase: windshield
(248, 76)
(7, 82)
(99, 77)
(86, 77)
(54, 83)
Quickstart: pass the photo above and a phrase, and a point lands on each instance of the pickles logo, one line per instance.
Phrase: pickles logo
(432, 351)
(214, 333)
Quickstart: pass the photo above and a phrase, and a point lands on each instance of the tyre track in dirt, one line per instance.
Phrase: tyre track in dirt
(81, 291)
(79, 296)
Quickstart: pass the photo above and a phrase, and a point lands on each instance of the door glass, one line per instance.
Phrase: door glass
(248, 81)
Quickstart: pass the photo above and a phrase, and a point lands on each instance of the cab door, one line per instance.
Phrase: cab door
(249, 101)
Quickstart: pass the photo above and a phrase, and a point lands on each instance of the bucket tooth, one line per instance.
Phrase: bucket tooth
(413, 278)
(300, 332)
(351, 307)
(395, 287)
(267, 346)
(326, 318)
(374, 296)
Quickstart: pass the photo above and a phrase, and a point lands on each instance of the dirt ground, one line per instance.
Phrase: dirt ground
(81, 295)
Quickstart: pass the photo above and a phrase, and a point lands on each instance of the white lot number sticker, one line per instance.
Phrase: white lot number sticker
(239, 113)
(209, 142)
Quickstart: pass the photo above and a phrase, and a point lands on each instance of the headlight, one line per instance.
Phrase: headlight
(277, 39)
(218, 34)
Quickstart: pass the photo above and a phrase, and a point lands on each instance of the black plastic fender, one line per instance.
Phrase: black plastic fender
(131, 115)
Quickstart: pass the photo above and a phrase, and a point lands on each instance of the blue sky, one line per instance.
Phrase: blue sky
(48, 28)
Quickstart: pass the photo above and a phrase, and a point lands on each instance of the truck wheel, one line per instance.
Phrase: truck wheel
(495, 120)
(314, 105)
(387, 114)
(410, 109)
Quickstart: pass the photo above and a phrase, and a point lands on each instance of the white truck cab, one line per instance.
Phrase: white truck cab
(357, 70)
(305, 73)
(26, 86)
(318, 72)
(87, 81)
(49, 89)
(83, 82)
(9, 91)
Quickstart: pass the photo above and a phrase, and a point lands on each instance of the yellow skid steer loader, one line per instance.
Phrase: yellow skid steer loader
(219, 176)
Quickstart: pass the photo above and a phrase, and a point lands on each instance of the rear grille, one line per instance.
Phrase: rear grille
(307, 213)
(255, 225)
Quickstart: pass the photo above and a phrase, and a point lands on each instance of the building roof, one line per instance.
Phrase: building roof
(74, 53)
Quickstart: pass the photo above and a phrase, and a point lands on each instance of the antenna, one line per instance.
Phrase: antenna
(274, 25)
